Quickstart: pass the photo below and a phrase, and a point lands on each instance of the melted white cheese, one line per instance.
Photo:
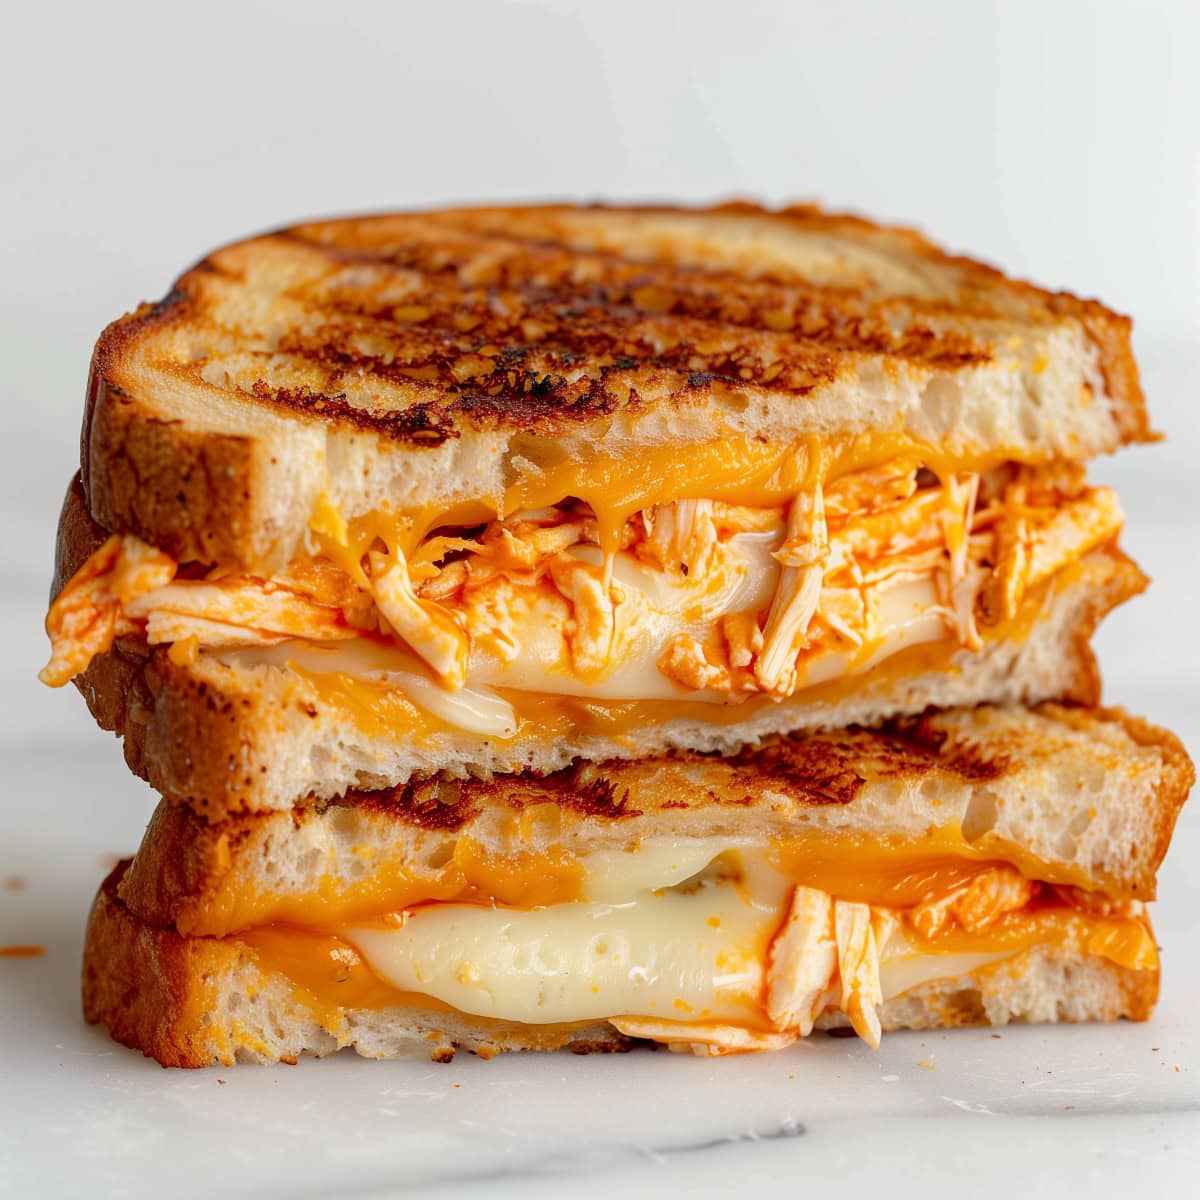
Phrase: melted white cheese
(615, 876)
(691, 952)
(678, 932)
(908, 615)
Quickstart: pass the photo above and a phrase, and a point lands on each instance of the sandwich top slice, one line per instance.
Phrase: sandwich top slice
(500, 488)
(507, 358)
(981, 865)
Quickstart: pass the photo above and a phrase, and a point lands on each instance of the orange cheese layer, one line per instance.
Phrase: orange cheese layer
(1126, 941)
(735, 470)
(330, 975)
(890, 873)
(390, 883)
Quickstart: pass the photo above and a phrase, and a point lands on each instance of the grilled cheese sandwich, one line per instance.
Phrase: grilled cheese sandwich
(559, 626)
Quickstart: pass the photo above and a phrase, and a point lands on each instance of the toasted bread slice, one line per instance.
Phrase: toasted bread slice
(430, 358)
(202, 1001)
(1082, 797)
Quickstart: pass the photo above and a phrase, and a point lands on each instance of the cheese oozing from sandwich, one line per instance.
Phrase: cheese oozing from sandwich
(746, 570)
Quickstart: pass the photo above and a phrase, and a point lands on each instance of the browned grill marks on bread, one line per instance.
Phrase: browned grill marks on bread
(525, 318)
(917, 737)
(441, 804)
(812, 769)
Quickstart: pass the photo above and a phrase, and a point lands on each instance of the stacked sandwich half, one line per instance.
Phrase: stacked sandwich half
(562, 627)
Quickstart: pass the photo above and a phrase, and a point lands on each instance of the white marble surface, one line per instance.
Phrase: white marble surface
(1102, 1109)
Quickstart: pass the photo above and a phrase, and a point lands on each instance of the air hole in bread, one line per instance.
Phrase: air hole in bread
(1029, 416)
(1065, 846)
(439, 855)
(966, 1007)
(980, 816)
(729, 399)
(526, 451)
(345, 824)
(941, 404)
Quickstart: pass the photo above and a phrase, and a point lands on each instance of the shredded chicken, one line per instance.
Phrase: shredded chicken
(592, 626)
(858, 967)
(428, 628)
(802, 961)
(705, 1040)
(528, 545)
(960, 584)
(974, 905)
(687, 662)
(798, 593)
(860, 491)
(89, 615)
(236, 610)
(1042, 519)
(681, 537)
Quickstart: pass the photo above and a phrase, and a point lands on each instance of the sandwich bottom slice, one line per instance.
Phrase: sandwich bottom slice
(968, 867)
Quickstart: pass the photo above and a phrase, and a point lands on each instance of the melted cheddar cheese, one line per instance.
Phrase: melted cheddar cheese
(456, 867)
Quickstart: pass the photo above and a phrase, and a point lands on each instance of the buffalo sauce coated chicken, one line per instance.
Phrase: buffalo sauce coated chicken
(833, 956)
(741, 596)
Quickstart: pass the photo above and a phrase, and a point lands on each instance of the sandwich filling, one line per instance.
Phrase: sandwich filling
(734, 571)
(699, 946)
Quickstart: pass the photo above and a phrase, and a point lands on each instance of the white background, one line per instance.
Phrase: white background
(1060, 140)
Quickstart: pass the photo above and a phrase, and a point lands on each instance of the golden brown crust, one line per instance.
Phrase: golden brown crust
(147, 987)
(192, 490)
(538, 322)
